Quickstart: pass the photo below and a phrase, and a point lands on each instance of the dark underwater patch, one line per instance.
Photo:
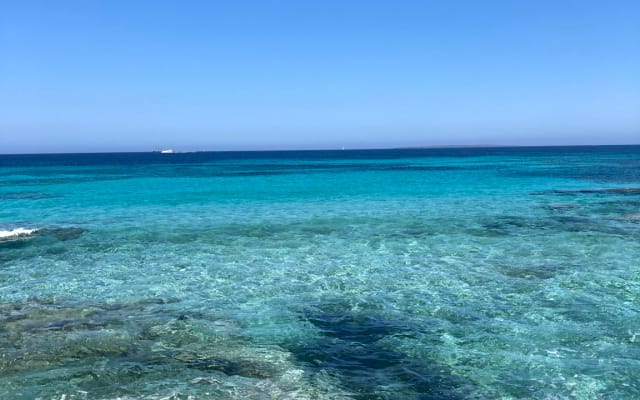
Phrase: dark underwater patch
(229, 367)
(560, 206)
(516, 225)
(431, 168)
(618, 191)
(583, 224)
(59, 180)
(618, 206)
(26, 196)
(363, 328)
(530, 272)
(45, 240)
(351, 348)
(634, 218)
(249, 170)
(63, 234)
(250, 173)
(619, 172)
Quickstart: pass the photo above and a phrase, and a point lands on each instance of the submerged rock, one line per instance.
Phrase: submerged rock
(20, 238)
(26, 196)
(45, 332)
(63, 234)
(515, 225)
(529, 272)
(629, 218)
(622, 191)
(239, 367)
(561, 206)
(352, 348)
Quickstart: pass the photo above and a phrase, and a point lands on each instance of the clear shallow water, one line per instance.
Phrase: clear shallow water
(392, 274)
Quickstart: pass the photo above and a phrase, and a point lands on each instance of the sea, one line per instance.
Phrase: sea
(452, 273)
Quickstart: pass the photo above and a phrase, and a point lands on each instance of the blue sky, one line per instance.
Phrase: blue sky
(190, 75)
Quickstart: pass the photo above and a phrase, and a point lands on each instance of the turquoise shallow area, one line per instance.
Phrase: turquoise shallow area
(507, 273)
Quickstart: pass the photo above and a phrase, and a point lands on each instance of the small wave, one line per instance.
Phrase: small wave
(16, 233)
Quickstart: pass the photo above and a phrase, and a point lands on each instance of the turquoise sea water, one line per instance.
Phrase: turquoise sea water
(507, 273)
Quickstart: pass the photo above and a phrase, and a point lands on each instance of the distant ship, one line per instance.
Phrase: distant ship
(171, 151)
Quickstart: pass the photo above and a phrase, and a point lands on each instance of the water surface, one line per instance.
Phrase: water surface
(506, 273)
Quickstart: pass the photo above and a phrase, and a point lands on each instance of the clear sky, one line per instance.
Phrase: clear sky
(204, 75)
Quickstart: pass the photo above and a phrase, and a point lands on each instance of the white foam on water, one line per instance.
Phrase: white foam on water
(16, 233)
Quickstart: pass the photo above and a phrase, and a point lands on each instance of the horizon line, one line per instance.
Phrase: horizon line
(452, 146)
